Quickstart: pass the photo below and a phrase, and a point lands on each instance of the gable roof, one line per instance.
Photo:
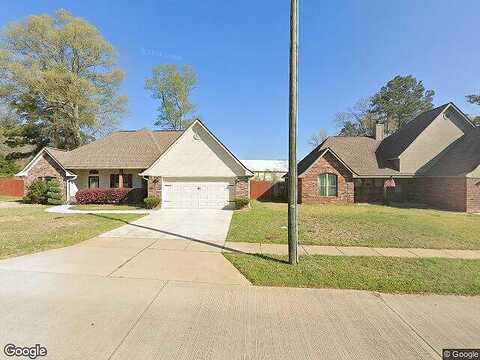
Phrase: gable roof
(458, 159)
(395, 144)
(52, 153)
(119, 150)
(365, 156)
(197, 122)
(358, 153)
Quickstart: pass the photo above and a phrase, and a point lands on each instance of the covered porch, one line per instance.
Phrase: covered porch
(107, 178)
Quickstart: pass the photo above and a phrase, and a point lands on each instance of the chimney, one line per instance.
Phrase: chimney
(379, 131)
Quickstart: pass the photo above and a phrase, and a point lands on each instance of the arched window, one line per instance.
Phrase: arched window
(328, 184)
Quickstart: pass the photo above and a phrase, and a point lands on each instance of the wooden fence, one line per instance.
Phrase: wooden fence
(11, 187)
(267, 190)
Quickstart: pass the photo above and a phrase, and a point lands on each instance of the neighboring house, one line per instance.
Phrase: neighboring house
(434, 160)
(268, 182)
(186, 169)
(267, 170)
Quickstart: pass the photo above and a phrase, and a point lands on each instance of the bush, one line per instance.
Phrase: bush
(241, 202)
(37, 192)
(102, 196)
(54, 193)
(151, 202)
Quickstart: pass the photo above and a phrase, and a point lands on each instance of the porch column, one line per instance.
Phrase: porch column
(120, 178)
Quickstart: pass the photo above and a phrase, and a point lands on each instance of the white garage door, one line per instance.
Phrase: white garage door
(185, 194)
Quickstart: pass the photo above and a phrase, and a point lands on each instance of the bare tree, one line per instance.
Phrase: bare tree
(316, 139)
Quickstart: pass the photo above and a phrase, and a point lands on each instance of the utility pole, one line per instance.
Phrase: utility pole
(292, 139)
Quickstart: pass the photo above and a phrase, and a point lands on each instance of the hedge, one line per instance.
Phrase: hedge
(102, 195)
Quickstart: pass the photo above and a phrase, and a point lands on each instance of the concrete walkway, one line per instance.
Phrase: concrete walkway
(280, 249)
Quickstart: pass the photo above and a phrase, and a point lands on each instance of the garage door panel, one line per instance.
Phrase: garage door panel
(197, 194)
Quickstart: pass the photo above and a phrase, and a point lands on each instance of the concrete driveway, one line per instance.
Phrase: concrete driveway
(179, 245)
(171, 295)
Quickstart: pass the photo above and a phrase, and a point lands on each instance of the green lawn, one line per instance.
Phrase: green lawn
(382, 274)
(9, 198)
(358, 225)
(29, 229)
(107, 207)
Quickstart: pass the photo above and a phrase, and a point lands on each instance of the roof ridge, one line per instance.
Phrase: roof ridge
(157, 145)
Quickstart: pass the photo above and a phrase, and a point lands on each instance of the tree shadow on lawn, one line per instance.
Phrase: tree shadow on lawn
(215, 245)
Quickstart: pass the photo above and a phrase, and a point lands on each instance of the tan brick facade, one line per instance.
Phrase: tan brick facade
(242, 187)
(309, 192)
(46, 167)
(155, 186)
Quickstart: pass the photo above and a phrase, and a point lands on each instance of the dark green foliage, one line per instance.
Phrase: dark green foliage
(401, 100)
(37, 192)
(473, 99)
(54, 193)
(395, 104)
(241, 202)
(151, 202)
(8, 167)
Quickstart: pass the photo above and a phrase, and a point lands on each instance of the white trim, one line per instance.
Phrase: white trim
(247, 172)
(33, 162)
(321, 155)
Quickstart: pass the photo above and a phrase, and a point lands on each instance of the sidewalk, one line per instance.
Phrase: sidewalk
(281, 249)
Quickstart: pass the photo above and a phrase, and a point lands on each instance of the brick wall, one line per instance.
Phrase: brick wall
(473, 195)
(443, 193)
(309, 193)
(155, 186)
(46, 167)
(241, 187)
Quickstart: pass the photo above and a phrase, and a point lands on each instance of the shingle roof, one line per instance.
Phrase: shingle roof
(393, 145)
(366, 156)
(458, 159)
(119, 150)
(357, 152)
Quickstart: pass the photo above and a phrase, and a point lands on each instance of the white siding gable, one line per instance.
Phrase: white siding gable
(196, 154)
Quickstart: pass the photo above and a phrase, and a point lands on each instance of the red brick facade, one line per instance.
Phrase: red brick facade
(442, 193)
(46, 167)
(448, 193)
(309, 192)
(473, 195)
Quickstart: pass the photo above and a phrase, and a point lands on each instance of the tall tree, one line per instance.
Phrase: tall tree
(474, 99)
(399, 101)
(357, 120)
(59, 75)
(172, 87)
(317, 138)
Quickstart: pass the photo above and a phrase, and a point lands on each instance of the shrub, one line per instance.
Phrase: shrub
(102, 196)
(151, 202)
(54, 193)
(37, 192)
(241, 202)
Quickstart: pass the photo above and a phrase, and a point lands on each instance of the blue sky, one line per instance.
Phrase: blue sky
(239, 50)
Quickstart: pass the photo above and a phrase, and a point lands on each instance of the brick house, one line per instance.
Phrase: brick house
(185, 169)
(434, 160)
